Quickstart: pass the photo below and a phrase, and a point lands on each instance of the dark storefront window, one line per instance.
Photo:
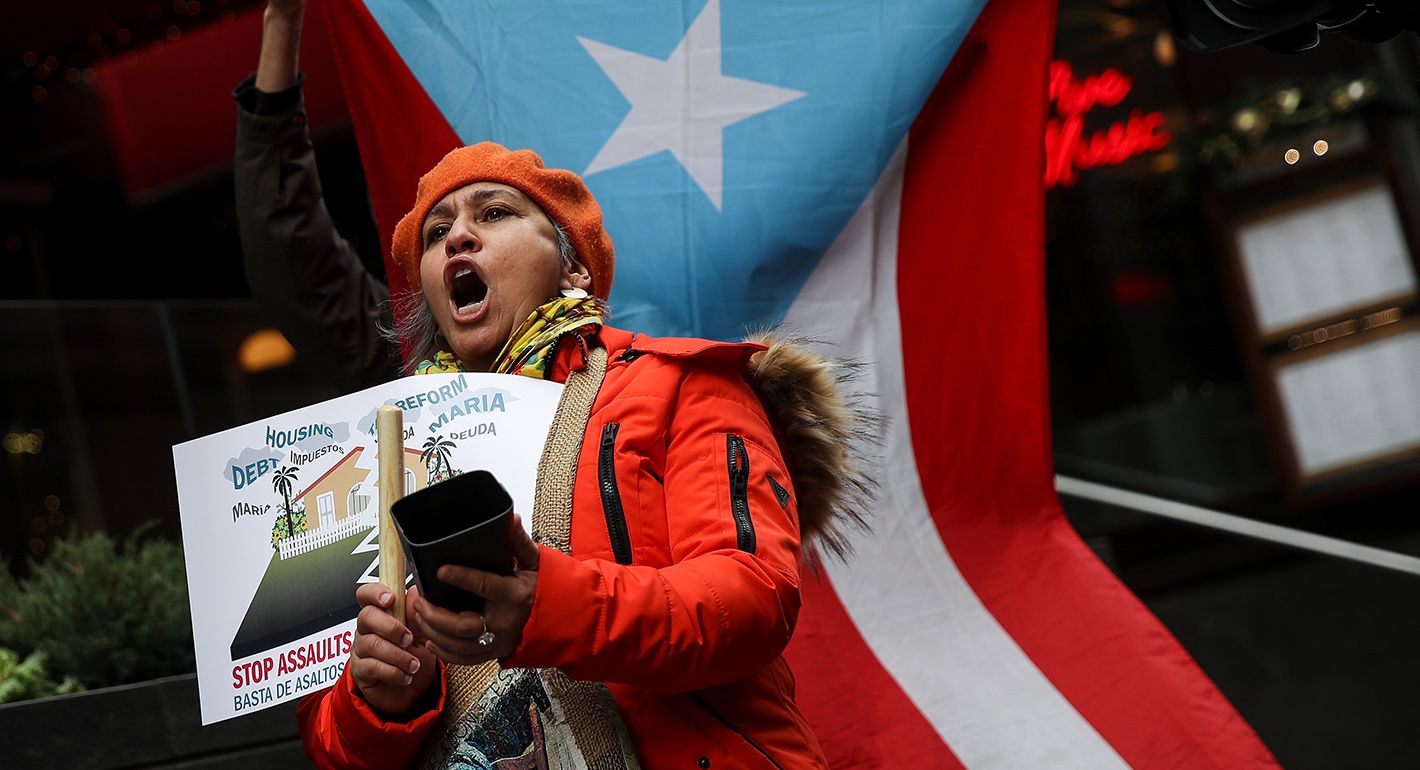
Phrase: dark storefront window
(1230, 262)
(93, 387)
(128, 325)
(1162, 354)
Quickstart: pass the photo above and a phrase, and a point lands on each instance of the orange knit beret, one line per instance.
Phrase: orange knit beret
(559, 192)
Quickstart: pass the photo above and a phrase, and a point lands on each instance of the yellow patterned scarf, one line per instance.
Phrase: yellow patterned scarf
(530, 348)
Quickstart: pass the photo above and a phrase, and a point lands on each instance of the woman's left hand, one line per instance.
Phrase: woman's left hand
(471, 638)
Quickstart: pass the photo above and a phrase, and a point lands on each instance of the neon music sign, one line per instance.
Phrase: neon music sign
(1068, 150)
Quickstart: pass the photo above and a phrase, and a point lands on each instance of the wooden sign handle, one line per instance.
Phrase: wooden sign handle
(390, 426)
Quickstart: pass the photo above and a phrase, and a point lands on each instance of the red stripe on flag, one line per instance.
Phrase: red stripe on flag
(860, 714)
(971, 293)
(401, 133)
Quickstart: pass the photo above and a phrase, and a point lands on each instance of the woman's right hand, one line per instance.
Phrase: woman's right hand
(390, 670)
(279, 63)
(291, 9)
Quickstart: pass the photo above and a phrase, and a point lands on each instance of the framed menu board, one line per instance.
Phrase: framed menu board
(1325, 289)
(1352, 404)
(1336, 253)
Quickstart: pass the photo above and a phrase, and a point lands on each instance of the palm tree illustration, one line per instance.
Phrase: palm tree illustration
(438, 448)
(282, 484)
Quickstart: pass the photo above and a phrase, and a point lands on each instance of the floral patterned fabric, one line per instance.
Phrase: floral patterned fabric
(531, 347)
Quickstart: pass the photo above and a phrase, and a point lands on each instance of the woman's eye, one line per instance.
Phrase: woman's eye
(494, 214)
(436, 233)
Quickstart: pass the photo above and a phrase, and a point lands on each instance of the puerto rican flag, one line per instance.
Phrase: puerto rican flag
(870, 173)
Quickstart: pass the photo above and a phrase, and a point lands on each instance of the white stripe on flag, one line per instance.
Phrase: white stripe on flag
(966, 675)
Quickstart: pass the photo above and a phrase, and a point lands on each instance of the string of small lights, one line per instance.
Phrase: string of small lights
(1294, 110)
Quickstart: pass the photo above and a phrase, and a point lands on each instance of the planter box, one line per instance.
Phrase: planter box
(150, 725)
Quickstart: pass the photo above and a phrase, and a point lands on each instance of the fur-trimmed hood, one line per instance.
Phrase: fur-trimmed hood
(828, 435)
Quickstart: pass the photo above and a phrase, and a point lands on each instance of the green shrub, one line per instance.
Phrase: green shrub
(27, 679)
(297, 524)
(102, 613)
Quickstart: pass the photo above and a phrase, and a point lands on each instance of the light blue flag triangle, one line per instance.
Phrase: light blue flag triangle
(728, 141)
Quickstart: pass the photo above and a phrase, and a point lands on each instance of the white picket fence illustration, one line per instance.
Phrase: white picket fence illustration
(309, 541)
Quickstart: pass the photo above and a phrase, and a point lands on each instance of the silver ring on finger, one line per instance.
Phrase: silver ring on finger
(485, 639)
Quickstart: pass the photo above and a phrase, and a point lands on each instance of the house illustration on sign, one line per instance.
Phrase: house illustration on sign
(326, 561)
(342, 491)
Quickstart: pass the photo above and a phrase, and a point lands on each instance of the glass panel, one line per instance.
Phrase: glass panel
(93, 392)
(1167, 169)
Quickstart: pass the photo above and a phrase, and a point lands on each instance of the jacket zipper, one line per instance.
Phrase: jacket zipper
(735, 730)
(739, 492)
(611, 496)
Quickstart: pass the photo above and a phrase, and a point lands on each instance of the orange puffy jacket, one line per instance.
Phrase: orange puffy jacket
(682, 589)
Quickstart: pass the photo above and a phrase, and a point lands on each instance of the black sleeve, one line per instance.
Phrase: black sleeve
(307, 277)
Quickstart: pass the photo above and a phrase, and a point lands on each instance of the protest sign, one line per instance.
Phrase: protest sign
(279, 520)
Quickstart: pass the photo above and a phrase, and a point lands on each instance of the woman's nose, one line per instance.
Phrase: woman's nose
(461, 237)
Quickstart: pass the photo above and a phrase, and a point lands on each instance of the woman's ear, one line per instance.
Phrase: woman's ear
(576, 276)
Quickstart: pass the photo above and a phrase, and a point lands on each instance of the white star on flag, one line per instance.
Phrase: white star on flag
(682, 104)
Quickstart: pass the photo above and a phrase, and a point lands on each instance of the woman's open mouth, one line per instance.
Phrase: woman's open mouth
(467, 291)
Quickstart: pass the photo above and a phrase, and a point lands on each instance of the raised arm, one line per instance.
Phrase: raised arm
(278, 66)
(305, 275)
